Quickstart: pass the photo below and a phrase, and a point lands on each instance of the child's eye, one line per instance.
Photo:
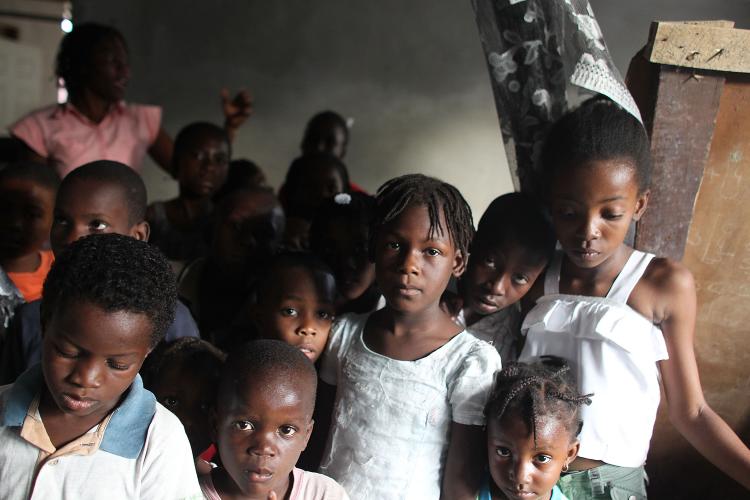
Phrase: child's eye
(488, 261)
(97, 225)
(613, 216)
(117, 366)
(520, 279)
(502, 451)
(543, 459)
(169, 401)
(433, 252)
(65, 354)
(287, 431)
(59, 221)
(392, 245)
(325, 315)
(289, 312)
(243, 425)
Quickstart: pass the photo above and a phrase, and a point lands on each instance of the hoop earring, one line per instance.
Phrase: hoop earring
(565, 467)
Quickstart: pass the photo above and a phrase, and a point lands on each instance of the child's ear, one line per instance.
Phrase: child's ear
(309, 432)
(572, 452)
(641, 204)
(459, 263)
(141, 231)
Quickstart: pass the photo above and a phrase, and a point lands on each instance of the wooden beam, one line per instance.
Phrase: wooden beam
(710, 46)
(684, 115)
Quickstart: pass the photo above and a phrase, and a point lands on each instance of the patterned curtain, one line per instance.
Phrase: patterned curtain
(544, 56)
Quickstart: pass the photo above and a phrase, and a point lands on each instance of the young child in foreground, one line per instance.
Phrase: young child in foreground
(533, 420)
(184, 377)
(624, 318)
(81, 425)
(263, 419)
(99, 197)
(27, 198)
(513, 244)
(411, 384)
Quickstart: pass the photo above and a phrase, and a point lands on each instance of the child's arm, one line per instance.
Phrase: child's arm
(161, 151)
(688, 409)
(236, 110)
(466, 461)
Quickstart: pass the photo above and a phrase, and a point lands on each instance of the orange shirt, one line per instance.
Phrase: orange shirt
(30, 284)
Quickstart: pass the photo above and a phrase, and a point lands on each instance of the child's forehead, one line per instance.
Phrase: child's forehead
(291, 278)
(108, 196)
(275, 388)
(27, 187)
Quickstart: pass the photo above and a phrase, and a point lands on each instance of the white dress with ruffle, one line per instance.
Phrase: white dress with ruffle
(613, 350)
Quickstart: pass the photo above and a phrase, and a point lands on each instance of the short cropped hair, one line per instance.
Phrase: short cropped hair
(397, 194)
(262, 359)
(116, 273)
(118, 175)
(196, 354)
(38, 173)
(516, 219)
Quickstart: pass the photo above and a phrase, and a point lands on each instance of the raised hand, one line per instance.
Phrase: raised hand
(236, 110)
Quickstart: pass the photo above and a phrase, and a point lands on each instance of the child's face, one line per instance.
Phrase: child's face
(299, 310)
(499, 276)
(88, 206)
(250, 231)
(202, 168)
(189, 395)
(331, 141)
(109, 70)
(91, 356)
(346, 251)
(26, 209)
(321, 183)
(413, 269)
(592, 207)
(521, 468)
(262, 431)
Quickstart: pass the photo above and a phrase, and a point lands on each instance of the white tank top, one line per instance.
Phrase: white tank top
(613, 349)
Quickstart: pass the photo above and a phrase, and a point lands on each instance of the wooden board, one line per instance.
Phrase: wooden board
(718, 254)
(714, 47)
(681, 127)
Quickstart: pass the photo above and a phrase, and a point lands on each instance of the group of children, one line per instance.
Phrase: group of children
(378, 347)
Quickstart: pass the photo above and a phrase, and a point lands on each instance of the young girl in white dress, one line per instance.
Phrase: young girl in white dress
(624, 319)
(411, 384)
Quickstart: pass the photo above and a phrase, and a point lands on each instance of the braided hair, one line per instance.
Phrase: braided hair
(534, 391)
(397, 194)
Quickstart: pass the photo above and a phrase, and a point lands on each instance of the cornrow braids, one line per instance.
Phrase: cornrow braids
(397, 194)
(534, 391)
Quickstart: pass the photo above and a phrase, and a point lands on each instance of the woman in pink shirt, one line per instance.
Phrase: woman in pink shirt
(95, 123)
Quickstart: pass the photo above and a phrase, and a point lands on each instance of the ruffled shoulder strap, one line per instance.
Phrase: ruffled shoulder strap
(629, 276)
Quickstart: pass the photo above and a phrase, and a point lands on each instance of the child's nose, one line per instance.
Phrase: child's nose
(308, 325)
(409, 263)
(520, 473)
(262, 445)
(499, 284)
(86, 373)
(589, 229)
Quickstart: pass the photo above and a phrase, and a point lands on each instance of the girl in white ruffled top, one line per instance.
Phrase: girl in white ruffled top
(623, 318)
(411, 385)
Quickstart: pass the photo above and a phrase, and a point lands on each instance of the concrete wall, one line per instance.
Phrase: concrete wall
(411, 74)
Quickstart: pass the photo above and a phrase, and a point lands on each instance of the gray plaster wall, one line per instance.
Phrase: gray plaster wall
(411, 74)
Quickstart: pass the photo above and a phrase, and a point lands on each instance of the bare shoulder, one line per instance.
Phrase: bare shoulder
(669, 277)
(666, 289)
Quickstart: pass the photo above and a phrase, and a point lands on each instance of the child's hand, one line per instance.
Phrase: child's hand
(236, 110)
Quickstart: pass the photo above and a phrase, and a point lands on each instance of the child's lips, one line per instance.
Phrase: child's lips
(76, 403)
(408, 290)
(261, 475)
